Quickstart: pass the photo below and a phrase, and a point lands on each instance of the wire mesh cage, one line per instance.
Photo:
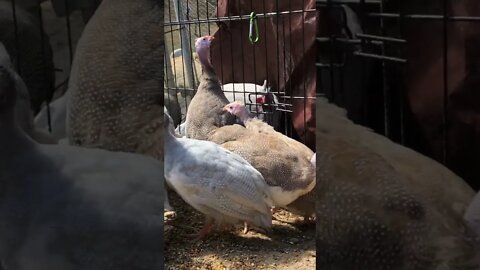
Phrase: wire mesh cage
(274, 76)
(40, 39)
(405, 69)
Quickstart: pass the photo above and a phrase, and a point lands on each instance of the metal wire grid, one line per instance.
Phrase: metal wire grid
(196, 18)
(68, 37)
(373, 47)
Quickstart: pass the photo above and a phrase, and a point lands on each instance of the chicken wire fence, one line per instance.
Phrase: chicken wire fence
(404, 68)
(186, 20)
(40, 37)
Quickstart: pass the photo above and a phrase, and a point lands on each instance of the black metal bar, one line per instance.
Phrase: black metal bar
(363, 45)
(69, 32)
(266, 48)
(381, 57)
(387, 110)
(236, 17)
(343, 2)
(382, 38)
(427, 17)
(17, 41)
(221, 51)
(278, 49)
(347, 40)
(322, 65)
(445, 81)
(331, 63)
(401, 85)
(44, 68)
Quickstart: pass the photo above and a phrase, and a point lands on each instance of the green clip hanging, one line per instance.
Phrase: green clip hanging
(253, 36)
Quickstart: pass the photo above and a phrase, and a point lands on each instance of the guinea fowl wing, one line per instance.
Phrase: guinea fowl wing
(215, 181)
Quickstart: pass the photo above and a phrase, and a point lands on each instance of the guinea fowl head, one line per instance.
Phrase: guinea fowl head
(7, 90)
(238, 109)
(202, 47)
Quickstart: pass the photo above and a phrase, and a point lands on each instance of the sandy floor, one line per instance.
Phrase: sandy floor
(287, 246)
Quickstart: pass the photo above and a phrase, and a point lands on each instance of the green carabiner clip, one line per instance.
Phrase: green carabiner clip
(253, 37)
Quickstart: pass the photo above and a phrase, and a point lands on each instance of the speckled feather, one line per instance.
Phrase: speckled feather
(372, 214)
(116, 91)
(216, 182)
(305, 204)
(74, 208)
(435, 182)
(272, 157)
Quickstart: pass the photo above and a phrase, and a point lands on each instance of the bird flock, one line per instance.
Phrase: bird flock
(90, 194)
(232, 167)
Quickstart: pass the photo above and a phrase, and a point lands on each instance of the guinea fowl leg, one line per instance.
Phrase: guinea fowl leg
(204, 231)
(255, 228)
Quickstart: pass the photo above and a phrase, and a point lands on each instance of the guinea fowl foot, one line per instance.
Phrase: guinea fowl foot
(254, 228)
(206, 230)
(302, 221)
(169, 215)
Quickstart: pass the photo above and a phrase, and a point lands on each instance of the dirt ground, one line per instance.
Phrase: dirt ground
(287, 246)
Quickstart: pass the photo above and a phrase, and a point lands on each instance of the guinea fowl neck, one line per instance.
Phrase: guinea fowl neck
(207, 68)
(244, 116)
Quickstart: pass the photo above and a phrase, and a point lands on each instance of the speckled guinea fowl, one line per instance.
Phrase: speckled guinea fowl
(216, 182)
(432, 180)
(286, 172)
(305, 204)
(367, 218)
(71, 208)
(205, 112)
(115, 95)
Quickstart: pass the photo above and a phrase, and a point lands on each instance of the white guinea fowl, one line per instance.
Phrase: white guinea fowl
(216, 182)
(71, 208)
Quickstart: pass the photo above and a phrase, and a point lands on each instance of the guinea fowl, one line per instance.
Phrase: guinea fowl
(305, 204)
(373, 213)
(252, 123)
(205, 112)
(288, 174)
(115, 94)
(70, 208)
(431, 179)
(368, 218)
(216, 182)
